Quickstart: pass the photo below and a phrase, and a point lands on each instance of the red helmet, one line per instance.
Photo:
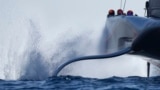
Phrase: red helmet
(111, 12)
(130, 13)
(119, 12)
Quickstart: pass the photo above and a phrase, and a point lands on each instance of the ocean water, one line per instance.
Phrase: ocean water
(80, 83)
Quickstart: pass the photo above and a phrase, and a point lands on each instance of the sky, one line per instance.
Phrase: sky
(57, 12)
(93, 12)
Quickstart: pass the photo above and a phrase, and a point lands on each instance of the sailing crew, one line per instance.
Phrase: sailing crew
(111, 13)
(120, 12)
(129, 13)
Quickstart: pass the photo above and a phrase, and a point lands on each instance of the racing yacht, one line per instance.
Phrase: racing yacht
(132, 35)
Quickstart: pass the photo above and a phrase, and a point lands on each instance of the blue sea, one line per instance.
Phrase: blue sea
(81, 83)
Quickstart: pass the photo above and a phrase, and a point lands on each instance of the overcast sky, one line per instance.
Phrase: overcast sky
(84, 11)
(67, 13)
(64, 14)
(69, 8)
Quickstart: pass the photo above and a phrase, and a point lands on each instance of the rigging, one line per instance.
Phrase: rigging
(124, 5)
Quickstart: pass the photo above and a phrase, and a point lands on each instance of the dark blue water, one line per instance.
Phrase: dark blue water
(80, 83)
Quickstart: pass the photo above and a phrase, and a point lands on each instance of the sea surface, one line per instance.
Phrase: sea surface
(81, 83)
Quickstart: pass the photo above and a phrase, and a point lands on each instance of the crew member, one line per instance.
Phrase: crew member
(111, 13)
(129, 13)
(120, 12)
